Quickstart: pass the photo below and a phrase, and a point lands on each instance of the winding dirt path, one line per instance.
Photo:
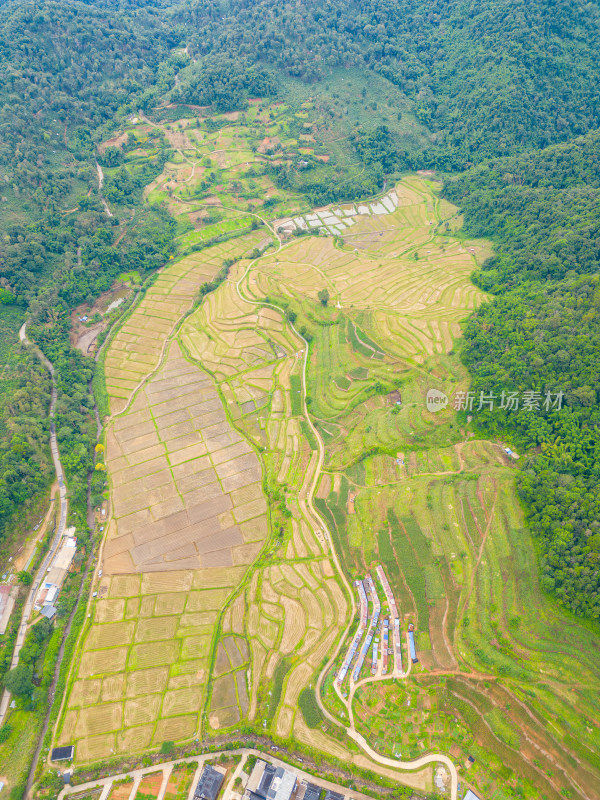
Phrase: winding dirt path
(100, 185)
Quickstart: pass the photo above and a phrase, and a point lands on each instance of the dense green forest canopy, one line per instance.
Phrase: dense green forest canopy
(546, 338)
(68, 69)
(25, 461)
(542, 208)
(542, 334)
(487, 78)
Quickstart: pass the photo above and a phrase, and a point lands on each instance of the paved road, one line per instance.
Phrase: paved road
(105, 784)
(4, 703)
(418, 763)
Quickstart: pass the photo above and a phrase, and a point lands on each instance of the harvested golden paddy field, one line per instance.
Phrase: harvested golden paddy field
(210, 426)
(293, 610)
(187, 518)
(417, 292)
(131, 697)
(135, 350)
(186, 485)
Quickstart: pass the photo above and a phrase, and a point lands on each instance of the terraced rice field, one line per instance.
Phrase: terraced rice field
(141, 681)
(392, 320)
(289, 610)
(219, 601)
(417, 293)
(186, 485)
(188, 516)
(136, 348)
(215, 177)
(464, 570)
(444, 519)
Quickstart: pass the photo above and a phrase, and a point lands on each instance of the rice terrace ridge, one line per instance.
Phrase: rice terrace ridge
(299, 412)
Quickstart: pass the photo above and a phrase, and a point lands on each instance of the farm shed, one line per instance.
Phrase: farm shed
(470, 795)
(49, 612)
(412, 647)
(63, 753)
(331, 795)
(209, 784)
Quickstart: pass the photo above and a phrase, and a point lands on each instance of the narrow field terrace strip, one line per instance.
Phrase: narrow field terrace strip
(135, 350)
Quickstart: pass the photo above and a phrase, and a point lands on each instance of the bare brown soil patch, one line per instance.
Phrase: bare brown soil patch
(149, 785)
(115, 141)
(122, 791)
(351, 499)
(269, 143)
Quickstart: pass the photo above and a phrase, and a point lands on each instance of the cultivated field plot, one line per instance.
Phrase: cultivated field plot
(141, 676)
(188, 516)
(215, 177)
(229, 691)
(390, 321)
(464, 571)
(149, 786)
(179, 782)
(186, 487)
(186, 637)
(443, 520)
(417, 294)
(254, 357)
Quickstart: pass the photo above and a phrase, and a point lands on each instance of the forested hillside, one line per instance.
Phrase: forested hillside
(487, 79)
(542, 209)
(543, 334)
(68, 71)
(25, 462)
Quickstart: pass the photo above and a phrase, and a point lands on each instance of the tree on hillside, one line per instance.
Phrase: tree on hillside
(323, 297)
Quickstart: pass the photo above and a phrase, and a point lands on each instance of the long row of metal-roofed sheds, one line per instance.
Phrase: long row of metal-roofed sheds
(365, 636)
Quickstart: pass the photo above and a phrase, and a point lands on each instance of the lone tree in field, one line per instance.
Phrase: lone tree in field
(25, 578)
(323, 297)
(19, 680)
